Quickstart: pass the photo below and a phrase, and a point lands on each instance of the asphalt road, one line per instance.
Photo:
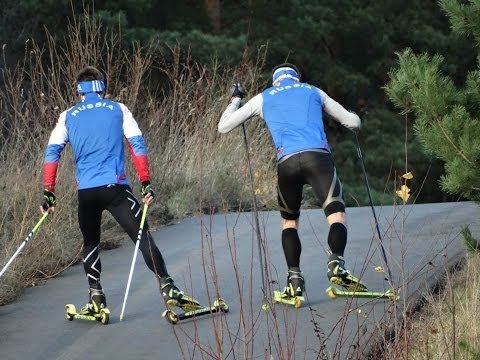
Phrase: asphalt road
(218, 255)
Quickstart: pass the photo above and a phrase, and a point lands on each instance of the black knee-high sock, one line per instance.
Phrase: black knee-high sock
(337, 238)
(292, 248)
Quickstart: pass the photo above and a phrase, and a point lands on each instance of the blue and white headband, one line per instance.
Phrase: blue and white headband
(283, 73)
(85, 87)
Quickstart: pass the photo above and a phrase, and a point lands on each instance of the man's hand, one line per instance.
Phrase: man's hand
(49, 202)
(358, 124)
(237, 90)
(147, 192)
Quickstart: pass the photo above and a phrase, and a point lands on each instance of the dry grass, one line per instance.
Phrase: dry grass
(447, 326)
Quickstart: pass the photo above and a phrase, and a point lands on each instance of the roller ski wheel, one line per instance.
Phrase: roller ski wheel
(102, 316)
(218, 305)
(282, 297)
(333, 293)
(70, 311)
(221, 305)
(171, 317)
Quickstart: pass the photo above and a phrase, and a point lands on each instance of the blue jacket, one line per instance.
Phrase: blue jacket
(95, 129)
(293, 114)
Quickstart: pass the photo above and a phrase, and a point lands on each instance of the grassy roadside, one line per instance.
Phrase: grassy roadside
(445, 325)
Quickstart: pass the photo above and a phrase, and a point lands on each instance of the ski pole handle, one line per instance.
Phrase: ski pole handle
(27, 239)
(137, 244)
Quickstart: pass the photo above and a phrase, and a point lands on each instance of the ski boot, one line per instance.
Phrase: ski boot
(338, 275)
(174, 297)
(96, 308)
(96, 303)
(295, 284)
(293, 292)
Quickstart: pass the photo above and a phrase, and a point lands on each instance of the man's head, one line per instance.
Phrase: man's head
(90, 80)
(285, 70)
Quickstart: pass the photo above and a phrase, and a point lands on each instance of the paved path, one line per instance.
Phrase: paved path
(220, 253)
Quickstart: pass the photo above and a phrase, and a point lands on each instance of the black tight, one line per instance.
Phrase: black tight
(122, 204)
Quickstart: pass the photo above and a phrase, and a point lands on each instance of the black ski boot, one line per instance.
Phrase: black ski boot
(174, 297)
(338, 275)
(295, 284)
(96, 303)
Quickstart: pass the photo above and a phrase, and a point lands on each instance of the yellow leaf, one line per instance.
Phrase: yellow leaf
(404, 193)
(379, 269)
(407, 176)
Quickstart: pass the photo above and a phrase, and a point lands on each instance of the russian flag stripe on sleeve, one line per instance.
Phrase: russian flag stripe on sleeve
(136, 144)
(50, 165)
(138, 150)
(49, 174)
(52, 154)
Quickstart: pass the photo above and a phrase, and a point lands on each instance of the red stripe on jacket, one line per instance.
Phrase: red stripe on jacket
(141, 165)
(50, 175)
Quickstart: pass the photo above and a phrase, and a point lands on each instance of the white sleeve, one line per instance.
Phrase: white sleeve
(234, 116)
(59, 134)
(339, 113)
(130, 125)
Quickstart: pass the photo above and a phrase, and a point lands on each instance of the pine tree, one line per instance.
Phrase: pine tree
(446, 115)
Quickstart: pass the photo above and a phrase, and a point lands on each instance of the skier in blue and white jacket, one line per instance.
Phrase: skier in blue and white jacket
(292, 111)
(96, 128)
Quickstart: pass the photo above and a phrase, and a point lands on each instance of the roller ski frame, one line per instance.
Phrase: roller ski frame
(102, 316)
(218, 305)
(282, 297)
(333, 293)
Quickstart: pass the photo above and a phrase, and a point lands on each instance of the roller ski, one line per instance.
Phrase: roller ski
(95, 310)
(190, 307)
(293, 292)
(334, 293)
(173, 317)
(353, 287)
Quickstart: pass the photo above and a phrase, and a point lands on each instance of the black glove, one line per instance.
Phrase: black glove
(48, 199)
(147, 189)
(237, 90)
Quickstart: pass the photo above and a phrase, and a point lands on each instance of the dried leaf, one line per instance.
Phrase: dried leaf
(404, 193)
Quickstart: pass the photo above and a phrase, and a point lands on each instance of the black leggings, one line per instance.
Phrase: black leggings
(308, 167)
(124, 207)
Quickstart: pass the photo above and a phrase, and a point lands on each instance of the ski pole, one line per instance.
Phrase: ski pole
(27, 239)
(255, 211)
(137, 244)
(362, 165)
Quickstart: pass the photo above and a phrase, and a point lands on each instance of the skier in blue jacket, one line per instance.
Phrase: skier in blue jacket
(96, 127)
(292, 111)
